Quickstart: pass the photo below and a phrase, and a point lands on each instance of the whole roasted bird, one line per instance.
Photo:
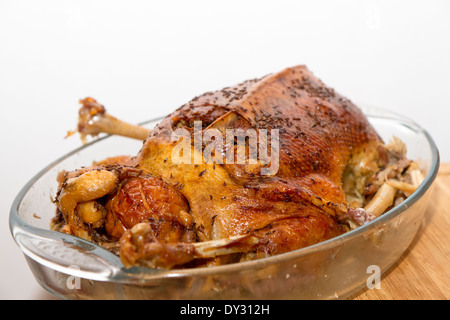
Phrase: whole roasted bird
(328, 172)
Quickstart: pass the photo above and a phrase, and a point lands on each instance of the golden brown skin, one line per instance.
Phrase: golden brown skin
(145, 198)
(300, 204)
(319, 130)
(117, 197)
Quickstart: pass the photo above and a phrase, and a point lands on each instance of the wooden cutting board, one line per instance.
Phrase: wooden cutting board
(423, 271)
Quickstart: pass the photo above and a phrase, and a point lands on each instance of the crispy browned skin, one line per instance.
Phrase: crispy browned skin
(160, 209)
(146, 198)
(319, 130)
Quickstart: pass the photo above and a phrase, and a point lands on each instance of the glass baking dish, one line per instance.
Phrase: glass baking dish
(72, 268)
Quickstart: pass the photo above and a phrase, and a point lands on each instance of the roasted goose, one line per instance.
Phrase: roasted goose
(329, 172)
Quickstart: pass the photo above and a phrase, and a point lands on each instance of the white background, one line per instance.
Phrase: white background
(143, 59)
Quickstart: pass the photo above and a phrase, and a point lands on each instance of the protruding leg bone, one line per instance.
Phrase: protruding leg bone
(381, 200)
(139, 247)
(93, 120)
(221, 247)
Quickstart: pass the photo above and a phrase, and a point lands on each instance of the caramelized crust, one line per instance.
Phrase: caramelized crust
(167, 214)
(318, 132)
(145, 198)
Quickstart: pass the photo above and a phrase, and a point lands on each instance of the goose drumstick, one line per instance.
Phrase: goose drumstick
(93, 120)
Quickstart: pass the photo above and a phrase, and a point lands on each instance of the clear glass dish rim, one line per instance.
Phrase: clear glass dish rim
(134, 275)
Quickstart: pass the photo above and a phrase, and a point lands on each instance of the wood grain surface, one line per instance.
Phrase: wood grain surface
(423, 271)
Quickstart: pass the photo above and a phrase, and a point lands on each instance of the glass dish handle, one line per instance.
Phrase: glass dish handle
(63, 252)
